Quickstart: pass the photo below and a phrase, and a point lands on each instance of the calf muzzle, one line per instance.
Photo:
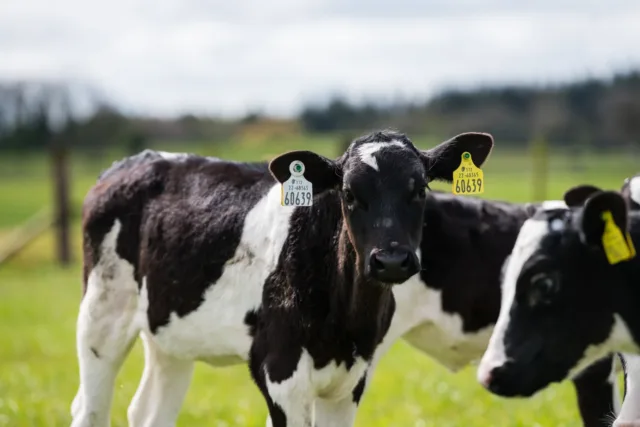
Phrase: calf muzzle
(394, 265)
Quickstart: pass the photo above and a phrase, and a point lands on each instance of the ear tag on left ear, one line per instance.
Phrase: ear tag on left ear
(616, 246)
(468, 178)
(296, 191)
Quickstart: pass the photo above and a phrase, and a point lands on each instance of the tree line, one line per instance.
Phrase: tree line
(599, 113)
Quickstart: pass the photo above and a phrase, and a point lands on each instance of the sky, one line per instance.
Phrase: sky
(169, 57)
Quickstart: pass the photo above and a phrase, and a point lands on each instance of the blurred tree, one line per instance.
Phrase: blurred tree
(581, 112)
(137, 143)
(251, 117)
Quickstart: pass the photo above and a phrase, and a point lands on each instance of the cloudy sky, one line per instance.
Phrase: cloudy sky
(227, 57)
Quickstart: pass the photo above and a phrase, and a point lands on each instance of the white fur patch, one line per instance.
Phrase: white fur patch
(529, 238)
(550, 205)
(335, 412)
(297, 394)
(172, 156)
(613, 381)
(634, 189)
(556, 225)
(630, 410)
(106, 329)
(367, 151)
(216, 332)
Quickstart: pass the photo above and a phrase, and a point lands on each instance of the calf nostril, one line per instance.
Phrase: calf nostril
(405, 262)
(377, 264)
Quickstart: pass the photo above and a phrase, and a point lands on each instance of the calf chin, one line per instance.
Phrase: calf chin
(510, 380)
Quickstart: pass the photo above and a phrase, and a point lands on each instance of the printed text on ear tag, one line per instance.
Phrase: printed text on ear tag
(616, 246)
(296, 191)
(468, 178)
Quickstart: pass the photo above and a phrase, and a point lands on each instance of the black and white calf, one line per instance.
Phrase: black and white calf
(629, 414)
(564, 305)
(198, 256)
(449, 310)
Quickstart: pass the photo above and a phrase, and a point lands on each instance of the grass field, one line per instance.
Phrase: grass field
(39, 302)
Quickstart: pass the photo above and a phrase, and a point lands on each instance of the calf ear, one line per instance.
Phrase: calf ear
(531, 209)
(592, 224)
(577, 195)
(325, 174)
(442, 160)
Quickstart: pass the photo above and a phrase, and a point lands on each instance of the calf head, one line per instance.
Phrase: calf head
(557, 313)
(381, 181)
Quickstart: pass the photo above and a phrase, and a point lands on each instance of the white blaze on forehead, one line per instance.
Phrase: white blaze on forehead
(634, 189)
(549, 205)
(528, 241)
(367, 151)
(172, 156)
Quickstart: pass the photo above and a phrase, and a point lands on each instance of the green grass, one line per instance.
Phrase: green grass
(39, 302)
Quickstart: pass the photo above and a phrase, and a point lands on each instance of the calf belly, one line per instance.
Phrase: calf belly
(421, 322)
(450, 347)
(218, 332)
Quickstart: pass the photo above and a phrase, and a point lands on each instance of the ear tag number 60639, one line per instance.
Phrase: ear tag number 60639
(297, 190)
(468, 178)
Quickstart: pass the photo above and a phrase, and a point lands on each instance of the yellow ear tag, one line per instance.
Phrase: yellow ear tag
(616, 246)
(468, 178)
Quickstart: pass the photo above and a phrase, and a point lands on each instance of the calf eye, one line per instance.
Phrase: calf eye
(348, 196)
(542, 288)
(419, 194)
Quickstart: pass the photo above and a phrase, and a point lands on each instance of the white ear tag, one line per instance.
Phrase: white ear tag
(296, 191)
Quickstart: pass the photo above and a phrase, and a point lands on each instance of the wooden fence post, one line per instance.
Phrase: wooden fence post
(62, 210)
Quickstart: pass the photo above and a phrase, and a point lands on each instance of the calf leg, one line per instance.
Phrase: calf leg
(162, 390)
(598, 395)
(335, 413)
(341, 413)
(105, 334)
(629, 415)
(290, 401)
(285, 387)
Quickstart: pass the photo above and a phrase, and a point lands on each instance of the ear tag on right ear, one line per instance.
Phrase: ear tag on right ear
(468, 178)
(616, 246)
(297, 190)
